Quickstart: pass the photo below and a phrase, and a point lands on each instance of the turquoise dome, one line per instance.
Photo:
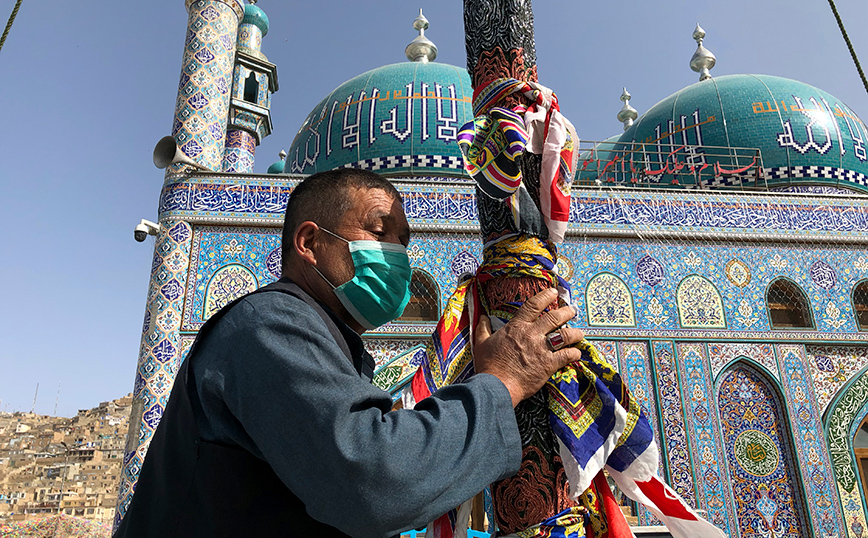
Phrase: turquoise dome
(277, 167)
(804, 136)
(400, 119)
(254, 15)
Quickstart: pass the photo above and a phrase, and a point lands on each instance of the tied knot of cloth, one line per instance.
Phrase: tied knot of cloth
(597, 422)
(493, 143)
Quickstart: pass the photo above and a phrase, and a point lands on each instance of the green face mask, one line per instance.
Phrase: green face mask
(380, 288)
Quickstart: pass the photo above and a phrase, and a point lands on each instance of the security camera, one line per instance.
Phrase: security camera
(144, 229)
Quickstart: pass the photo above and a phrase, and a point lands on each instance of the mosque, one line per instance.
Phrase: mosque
(716, 250)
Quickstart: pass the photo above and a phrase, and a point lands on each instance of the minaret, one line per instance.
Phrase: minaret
(199, 128)
(254, 80)
(206, 76)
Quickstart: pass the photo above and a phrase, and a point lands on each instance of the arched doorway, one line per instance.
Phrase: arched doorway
(765, 484)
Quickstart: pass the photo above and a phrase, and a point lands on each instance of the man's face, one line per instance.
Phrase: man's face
(374, 215)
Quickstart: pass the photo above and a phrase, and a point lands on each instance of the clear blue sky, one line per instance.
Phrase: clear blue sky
(87, 88)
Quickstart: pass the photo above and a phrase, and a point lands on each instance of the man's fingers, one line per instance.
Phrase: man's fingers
(553, 319)
(483, 329)
(533, 307)
(571, 336)
(565, 356)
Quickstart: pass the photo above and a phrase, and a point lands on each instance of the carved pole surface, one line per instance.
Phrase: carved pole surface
(500, 44)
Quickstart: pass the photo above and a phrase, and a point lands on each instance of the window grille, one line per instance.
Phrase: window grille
(860, 304)
(788, 306)
(424, 302)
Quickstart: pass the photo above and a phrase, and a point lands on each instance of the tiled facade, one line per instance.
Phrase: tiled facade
(755, 423)
(206, 79)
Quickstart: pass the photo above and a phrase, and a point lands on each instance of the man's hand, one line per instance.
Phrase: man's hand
(518, 353)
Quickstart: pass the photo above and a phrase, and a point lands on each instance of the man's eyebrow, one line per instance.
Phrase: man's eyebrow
(376, 215)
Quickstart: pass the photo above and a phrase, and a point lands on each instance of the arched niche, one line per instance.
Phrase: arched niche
(227, 284)
(843, 421)
(788, 306)
(699, 304)
(765, 483)
(608, 302)
(424, 304)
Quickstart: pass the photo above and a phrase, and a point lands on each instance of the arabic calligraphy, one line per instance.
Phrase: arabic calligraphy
(594, 209)
(349, 122)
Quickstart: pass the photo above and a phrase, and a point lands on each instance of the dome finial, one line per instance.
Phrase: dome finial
(702, 59)
(421, 49)
(627, 114)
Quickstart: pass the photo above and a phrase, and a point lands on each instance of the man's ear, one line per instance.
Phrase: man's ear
(304, 241)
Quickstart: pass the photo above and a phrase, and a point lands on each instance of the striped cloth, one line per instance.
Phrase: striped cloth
(596, 420)
(494, 141)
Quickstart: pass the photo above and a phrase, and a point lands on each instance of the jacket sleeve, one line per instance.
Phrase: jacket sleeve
(296, 401)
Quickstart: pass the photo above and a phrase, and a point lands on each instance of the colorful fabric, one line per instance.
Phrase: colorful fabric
(493, 142)
(597, 422)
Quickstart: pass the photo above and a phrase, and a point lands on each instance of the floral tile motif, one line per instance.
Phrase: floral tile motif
(609, 302)
(761, 464)
(699, 304)
(675, 441)
(813, 455)
(385, 350)
(160, 350)
(712, 489)
(831, 367)
(722, 354)
(635, 369)
(227, 262)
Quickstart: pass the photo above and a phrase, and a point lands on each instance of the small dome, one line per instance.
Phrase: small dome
(400, 119)
(804, 135)
(277, 167)
(254, 15)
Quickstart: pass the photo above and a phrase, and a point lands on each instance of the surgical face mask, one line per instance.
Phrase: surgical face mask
(380, 288)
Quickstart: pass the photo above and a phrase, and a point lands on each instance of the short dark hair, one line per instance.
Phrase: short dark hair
(324, 198)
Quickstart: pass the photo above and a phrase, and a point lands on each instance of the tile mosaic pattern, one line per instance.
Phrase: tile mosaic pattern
(761, 469)
(385, 350)
(226, 263)
(397, 372)
(813, 457)
(609, 302)
(675, 443)
(383, 118)
(699, 303)
(202, 108)
(249, 37)
(703, 424)
(160, 352)
(455, 205)
(240, 152)
(832, 367)
(722, 354)
(843, 417)
(635, 367)
(713, 301)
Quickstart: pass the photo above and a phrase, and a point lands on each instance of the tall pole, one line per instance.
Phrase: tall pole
(35, 394)
(499, 38)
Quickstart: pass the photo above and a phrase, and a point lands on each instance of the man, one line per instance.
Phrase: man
(273, 427)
